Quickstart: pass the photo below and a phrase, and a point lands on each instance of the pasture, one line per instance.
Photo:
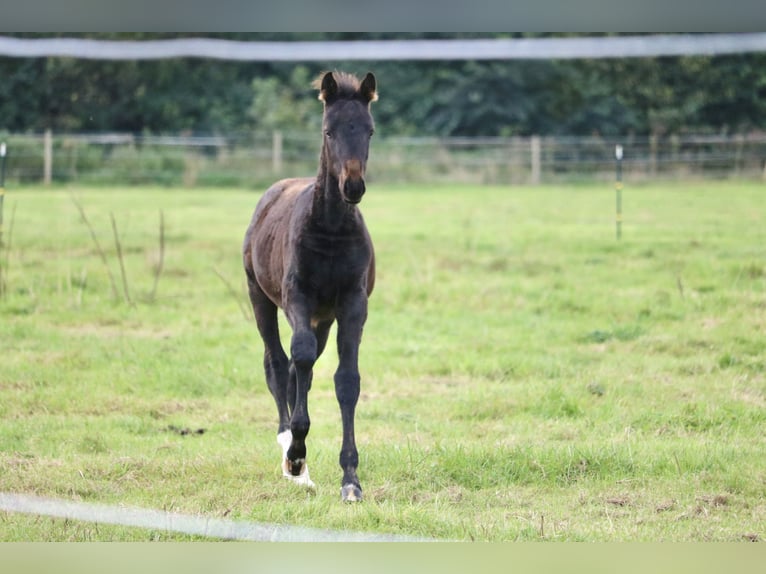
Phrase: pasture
(525, 376)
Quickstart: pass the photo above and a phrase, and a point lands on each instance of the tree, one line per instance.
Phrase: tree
(640, 96)
(286, 105)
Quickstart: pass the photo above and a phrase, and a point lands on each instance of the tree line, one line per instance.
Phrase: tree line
(637, 96)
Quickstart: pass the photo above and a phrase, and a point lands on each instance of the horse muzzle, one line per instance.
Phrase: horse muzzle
(351, 182)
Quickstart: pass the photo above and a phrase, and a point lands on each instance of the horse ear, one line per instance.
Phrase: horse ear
(328, 87)
(368, 89)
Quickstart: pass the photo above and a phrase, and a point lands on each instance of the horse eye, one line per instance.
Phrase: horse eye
(372, 132)
(328, 133)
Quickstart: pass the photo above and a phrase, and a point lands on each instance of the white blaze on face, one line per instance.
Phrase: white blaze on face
(284, 439)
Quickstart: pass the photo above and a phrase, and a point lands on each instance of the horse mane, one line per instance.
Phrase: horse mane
(348, 85)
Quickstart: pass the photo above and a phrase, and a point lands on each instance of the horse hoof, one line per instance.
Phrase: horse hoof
(302, 478)
(351, 493)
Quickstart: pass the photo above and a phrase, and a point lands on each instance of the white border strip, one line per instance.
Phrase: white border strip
(655, 45)
(185, 524)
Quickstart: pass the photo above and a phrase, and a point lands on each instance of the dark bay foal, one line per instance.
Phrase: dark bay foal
(307, 250)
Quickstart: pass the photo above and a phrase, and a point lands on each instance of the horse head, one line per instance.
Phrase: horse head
(347, 126)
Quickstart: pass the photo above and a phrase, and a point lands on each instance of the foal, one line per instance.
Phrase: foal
(307, 250)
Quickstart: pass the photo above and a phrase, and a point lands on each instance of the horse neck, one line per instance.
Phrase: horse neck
(329, 209)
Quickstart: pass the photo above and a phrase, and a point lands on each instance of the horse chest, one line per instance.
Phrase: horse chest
(328, 265)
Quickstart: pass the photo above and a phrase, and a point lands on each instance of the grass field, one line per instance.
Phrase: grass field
(525, 376)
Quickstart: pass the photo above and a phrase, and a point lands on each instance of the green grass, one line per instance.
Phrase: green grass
(525, 375)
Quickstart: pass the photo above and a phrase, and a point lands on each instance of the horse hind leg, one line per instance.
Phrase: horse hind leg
(275, 362)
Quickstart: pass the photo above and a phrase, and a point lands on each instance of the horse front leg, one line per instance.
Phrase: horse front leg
(303, 351)
(351, 318)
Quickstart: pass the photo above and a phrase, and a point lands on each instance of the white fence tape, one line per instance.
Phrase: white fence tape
(183, 523)
(453, 49)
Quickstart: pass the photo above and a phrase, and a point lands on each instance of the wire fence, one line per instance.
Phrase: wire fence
(256, 159)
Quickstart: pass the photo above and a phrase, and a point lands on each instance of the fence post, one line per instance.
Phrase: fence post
(48, 157)
(2, 197)
(276, 152)
(3, 264)
(618, 190)
(740, 144)
(536, 150)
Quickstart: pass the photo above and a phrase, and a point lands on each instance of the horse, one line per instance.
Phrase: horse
(308, 252)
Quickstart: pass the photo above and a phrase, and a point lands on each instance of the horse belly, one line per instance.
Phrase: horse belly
(266, 260)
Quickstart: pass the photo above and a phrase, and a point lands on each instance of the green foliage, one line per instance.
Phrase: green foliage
(290, 106)
(525, 376)
(660, 96)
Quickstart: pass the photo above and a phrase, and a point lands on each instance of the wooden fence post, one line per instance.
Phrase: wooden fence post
(738, 149)
(536, 150)
(48, 157)
(276, 152)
